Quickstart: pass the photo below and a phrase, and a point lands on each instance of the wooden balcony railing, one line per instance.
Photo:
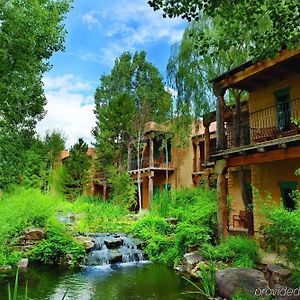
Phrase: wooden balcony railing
(144, 164)
(266, 124)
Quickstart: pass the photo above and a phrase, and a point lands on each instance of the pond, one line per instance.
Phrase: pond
(142, 280)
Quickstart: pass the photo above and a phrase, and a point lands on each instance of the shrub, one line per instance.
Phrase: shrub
(189, 235)
(150, 226)
(283, 231)
(241, 251)
(161, 249)
(195, 209)
(57, 246)
(100, 216)
(24, 208)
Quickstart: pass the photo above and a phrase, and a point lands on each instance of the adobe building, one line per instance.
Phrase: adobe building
(262, 149)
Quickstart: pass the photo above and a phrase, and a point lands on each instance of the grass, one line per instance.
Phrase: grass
(97, 215)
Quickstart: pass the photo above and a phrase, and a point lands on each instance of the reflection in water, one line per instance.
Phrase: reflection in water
(119, 282)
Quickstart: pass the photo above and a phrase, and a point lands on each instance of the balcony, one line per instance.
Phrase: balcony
(270, 124)
(144, 164)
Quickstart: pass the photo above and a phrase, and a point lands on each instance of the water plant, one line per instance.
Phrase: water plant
(13, 294)
(207, 276)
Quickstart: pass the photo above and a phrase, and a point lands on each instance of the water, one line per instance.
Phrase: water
(111, 248)
(106, 282)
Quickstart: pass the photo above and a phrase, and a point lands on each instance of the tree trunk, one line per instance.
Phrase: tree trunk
(139, 172)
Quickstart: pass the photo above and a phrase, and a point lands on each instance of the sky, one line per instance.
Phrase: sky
(98, 32)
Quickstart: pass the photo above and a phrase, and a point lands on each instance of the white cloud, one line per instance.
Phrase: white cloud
(90, 20)
(66, 82)
(131, 24)
(69, 109)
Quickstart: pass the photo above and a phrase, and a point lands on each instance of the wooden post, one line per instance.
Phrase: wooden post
(105, 192)
(150, 190)
(206, 144)
(221, 195)
(219, 91)
(198, 157)
(151, 152)
(206, 175)
(222, 211)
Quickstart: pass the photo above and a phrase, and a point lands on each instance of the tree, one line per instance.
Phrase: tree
(129, 97)
(270, 25)
(40, 159)
(30, 32)
(76, 170)
(190, 72)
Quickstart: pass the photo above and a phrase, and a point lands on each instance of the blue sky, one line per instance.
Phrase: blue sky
(98, 32)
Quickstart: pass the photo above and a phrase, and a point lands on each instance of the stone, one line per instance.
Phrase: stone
(277, 274)
(35, 234)
(87, 242)
(115, 258)
(234, 280)
(5, 268)
(180, 268)
(191, 259)
(23, 263)
(113, 243)
(283, 292)
(172, 221)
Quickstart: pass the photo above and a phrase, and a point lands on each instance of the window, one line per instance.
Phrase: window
(288, 196)
(283, 109)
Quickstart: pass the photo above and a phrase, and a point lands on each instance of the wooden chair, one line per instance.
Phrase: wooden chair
(241, 218)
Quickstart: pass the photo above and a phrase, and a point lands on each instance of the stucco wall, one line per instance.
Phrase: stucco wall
(264, 97)
(267, 177)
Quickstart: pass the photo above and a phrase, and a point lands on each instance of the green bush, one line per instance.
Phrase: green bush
(282, 233)
(161, 248)
(150, 226)
(97, 215)
(24, 208)
(190, 235)
(8, 257)
(195, 209)
(58, 247)
(241, 251)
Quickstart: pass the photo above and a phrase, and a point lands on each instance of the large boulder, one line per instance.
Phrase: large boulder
(191, 260)
(34, 234)
(277, 274)
(233, 280)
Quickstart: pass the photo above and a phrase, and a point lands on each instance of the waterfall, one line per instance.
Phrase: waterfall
(114, 248)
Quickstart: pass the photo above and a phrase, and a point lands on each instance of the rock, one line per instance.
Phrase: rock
(234, 280)
(190, 260)
(5, 268)
(277, 274)
(180, 268)
(34, 234)
(23, 263)
(88, 243)
(116, 258)
(283, 292)
(113, 243)
(172, 221)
